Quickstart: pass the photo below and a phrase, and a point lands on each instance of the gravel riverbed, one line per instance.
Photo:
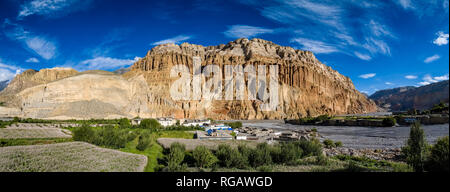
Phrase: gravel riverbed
(360, 137)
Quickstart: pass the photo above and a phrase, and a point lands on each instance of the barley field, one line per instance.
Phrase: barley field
(33, 131)
(68, 157)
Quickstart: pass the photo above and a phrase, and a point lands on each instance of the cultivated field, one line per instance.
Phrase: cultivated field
(33, 131)
(68, 157)
(191, 144)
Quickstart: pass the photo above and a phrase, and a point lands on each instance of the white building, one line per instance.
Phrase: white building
(241, 137)
(194, 123)
(165, 122)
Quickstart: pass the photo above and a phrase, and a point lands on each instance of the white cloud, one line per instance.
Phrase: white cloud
(51, 8)
(368, 76)
(32, 60)
(38, 44)
(363, 56)
(105, 63)
(411, 77)
(315, 46)
(442, 38)
(388, 83)
(406, 4)
(245, 31)
(432, 58)
(8, 72)
(428, 79)
(176, 40)
(379, 29)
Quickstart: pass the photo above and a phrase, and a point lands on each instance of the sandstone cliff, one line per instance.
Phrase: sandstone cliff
(306, 87)
(405, 98)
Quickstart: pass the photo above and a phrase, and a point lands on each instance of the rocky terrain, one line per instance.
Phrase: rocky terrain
(405, 98)
(306, 87)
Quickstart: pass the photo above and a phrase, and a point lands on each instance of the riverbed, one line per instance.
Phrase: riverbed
(360, 137)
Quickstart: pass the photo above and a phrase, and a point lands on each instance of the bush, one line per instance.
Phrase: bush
(111, 137)
(329, 144)
(203, 157)
(310, 148)
(124, 123)
(389, 122)
(84, 133)
(338, 144)
(151, 124)
(144, 142)
(176, 157)
(229, 157)
(439, 157)
(416, 148)
(286, 153)
(260, 156)
(235, 125)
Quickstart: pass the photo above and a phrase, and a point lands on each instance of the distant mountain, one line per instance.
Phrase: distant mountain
(121, 71)
(3, 85)
(404, 98)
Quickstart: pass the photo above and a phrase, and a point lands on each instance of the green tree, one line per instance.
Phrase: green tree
(389, 122)
(416, 148)
(124, 123)
(175, 157)
(439, 157)
(203, 157)
(84, 133)
(260, 156)
(144, 142)
(151, 124)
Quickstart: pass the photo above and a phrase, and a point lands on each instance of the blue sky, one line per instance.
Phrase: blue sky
(378, 44)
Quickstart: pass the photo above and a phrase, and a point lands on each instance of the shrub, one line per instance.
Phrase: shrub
(124, 123)
(439, 157)
(84, 133)
(338, 144)
(176, 157)
(260, 156)
(415, 150)
(235, 125)
(309, 148)
(314, 130)
(329, 144)
(389, 122)
(151, 124)
(229, 157)
(203, 157)
(288, 153)
(144, 142)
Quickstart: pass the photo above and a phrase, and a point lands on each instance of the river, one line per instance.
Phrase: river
(360, 137)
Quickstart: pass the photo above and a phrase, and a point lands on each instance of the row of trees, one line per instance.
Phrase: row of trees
(242, 157)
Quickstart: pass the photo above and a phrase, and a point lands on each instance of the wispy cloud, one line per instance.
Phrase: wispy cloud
(363, 56)
(51, 8)
(105, 63)
(32, 60)
(331, 24)
(428, 79)
(368, 75)
(245, 31)
(432, 58)
(388, 83)
(411, 77)
(40, 45)
(315, 46)
(442, 38)
(176, 40)
(8, 71)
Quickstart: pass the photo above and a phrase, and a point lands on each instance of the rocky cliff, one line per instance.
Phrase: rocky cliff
(306, 87)
(405, 98)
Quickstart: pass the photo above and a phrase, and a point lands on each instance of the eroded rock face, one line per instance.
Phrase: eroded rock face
(307, 87)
